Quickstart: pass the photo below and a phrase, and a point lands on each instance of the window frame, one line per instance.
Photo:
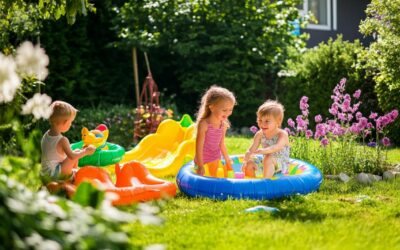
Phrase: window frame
(331, 16)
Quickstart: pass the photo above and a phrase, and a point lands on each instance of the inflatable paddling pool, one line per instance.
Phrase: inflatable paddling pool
(101, 158)
(302, 178)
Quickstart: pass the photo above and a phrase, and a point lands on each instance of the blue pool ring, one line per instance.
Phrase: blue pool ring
(101, 158)
(301, 182)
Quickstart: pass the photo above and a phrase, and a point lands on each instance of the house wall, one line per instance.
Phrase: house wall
(349, 15)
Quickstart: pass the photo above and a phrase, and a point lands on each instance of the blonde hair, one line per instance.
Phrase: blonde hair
(213, 95)
(271, 108)
(61, 111)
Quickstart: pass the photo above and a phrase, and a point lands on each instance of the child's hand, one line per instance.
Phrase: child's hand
(200, 170)
(90, 149)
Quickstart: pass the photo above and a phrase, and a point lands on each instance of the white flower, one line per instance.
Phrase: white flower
(155, 247)
(9, 80)
(32, 61)
(38, 106)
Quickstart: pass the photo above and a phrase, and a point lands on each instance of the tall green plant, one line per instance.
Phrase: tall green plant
(383, 22)
(236, 44)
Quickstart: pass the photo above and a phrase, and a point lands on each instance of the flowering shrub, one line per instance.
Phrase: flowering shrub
(340, 136)
(149, 119)
(149, 113)
(20, 75)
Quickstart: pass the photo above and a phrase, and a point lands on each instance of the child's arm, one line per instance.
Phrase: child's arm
(200, 137)
(224, 151)
(283, 140)
(254, 146)
(76, 154)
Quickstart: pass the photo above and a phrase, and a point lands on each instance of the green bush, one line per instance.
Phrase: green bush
(236, 44)
(383, 55)
(316, 72)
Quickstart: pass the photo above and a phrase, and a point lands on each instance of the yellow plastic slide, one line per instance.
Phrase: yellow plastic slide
(164, 152)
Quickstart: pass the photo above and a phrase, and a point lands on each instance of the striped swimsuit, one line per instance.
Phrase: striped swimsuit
(212, 141)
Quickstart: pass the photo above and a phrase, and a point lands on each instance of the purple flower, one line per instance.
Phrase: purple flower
(318, 118)
(354, 128)
(291, 123)
(373, 115)
(341, 117)
(346, 105)
(385, 141)
(371, 144)
(324, 142)
(357, 94)
(349, 117)
(320, 130)
(309, 134)
(355, 107)
(303, 103)
(334, 109)
(253, 129)
(358, 115)
(393, 115)
(301, 124)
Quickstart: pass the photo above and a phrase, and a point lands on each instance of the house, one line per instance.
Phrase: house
(335, 17)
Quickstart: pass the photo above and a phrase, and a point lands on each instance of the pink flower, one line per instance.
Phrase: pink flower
(358, 115)
(324, 142)
(373, 115)
(253, 129)
(394, 114)
(318, 118)
(385, 141)
(346, 105)
(301, 123)
(291, 123)
(334, 109)
(309, 134)
(303, 103)
(357, 94)
(341, 117)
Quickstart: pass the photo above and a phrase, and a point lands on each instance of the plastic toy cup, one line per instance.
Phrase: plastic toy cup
(220, 173)
(230, 174)
(239, 175)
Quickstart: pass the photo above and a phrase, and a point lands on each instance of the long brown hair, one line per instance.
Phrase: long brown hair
(213, 95)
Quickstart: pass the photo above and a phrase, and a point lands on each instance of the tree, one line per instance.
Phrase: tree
(236, 44)
(20, 19)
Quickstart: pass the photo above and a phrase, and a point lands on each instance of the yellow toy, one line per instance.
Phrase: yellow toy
(96, 137)
(164, 152)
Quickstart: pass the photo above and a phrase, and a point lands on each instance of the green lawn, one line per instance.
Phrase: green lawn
(339, 216)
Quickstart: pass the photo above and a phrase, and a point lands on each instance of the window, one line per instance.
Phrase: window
(322, 10)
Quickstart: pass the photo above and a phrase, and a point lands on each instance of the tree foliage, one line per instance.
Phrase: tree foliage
(383, 22)
(20, 19)
(236, 44)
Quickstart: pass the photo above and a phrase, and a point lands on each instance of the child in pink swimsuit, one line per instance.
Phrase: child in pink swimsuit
(212, 122)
